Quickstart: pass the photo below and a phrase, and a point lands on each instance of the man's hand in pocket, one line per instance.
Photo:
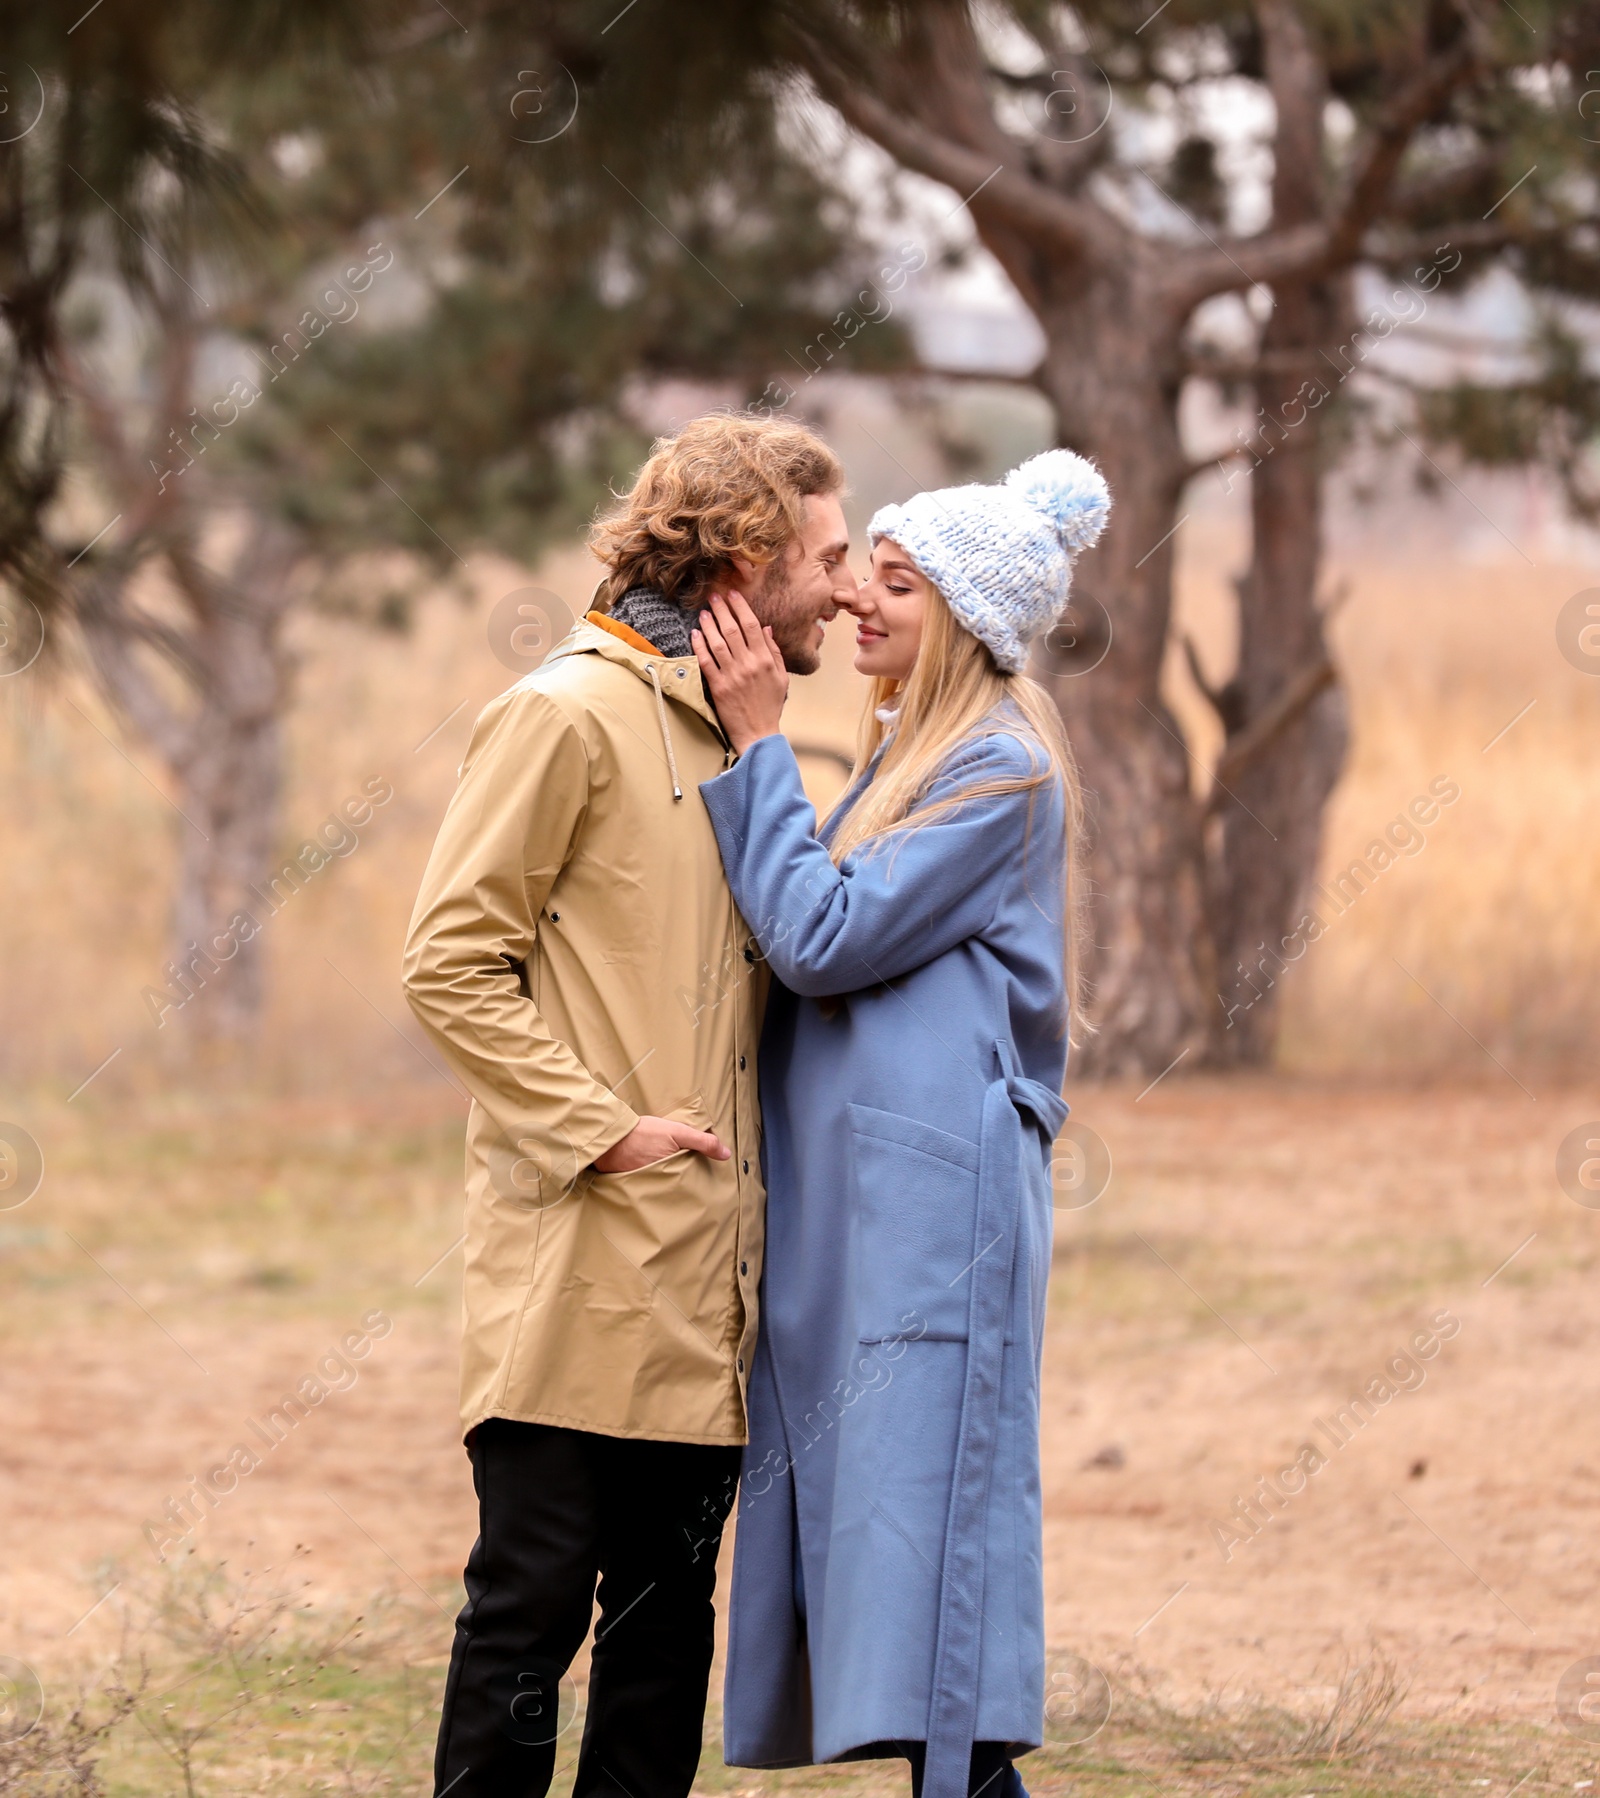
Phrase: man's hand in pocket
(654, 1139)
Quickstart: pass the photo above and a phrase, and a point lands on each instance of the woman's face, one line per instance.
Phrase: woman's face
(889, 608)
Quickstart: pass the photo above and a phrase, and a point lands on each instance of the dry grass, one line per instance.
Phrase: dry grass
(222, 1685)
(1356, 1718)
(62, 1755)
(1263, 1247)
(1496, 916)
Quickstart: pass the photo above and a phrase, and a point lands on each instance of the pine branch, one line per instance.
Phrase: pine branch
(1313, 248)
(854, 82)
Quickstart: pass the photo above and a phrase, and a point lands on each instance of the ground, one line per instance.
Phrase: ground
(1266, 1248)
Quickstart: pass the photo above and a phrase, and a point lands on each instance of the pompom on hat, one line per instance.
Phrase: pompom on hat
(1002, 555)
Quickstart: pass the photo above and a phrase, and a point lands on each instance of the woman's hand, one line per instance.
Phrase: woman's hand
(743, 668)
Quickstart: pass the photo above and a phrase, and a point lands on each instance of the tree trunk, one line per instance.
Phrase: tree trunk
(1148, 968)
(1283, 711)
(223, 754)
(231, 786)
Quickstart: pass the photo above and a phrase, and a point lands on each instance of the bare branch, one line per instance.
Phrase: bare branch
(1213, 695)
(1463, 234)
(1263, 731)
(1305, 250)
(1206, 365)
(137, 626)
(1029, 382)
(992, 178)
(1199, 465)
(1416, 102)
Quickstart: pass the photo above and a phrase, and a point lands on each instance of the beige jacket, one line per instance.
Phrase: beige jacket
(577, 955)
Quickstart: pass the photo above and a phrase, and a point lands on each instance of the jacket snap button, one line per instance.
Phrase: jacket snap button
(741, 1064)
(744, 1267)
(682, 672)
(746, 1167)
(555, 917)
(749, 954)
(741, 1364)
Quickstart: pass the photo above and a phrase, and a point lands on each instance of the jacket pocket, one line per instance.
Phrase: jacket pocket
(692, 1112)
(666, 1219)
(916, 1202)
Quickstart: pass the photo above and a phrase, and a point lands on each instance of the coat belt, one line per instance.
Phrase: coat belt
(953, 1706)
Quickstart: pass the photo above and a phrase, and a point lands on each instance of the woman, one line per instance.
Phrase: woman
(887, 1588)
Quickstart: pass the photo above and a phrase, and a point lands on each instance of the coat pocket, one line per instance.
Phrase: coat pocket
(669, 1220)
(693, 1112)
(916, 1201)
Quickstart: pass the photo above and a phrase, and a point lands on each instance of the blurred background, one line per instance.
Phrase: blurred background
(324, 331)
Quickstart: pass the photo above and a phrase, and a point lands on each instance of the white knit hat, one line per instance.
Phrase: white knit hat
(1002, 555)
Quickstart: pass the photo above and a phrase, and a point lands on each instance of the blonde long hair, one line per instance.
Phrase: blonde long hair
(956, 692)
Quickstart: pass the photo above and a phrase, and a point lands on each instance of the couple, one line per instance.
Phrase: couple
(629, 896)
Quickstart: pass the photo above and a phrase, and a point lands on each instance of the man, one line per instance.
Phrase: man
(577, 955)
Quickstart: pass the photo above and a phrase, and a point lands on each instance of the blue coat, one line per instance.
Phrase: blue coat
(888, 1567)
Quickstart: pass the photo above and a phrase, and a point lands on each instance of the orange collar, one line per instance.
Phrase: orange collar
(625, 631)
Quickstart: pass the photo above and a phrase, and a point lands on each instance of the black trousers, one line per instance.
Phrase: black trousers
(557, 1509)
(988, 1774)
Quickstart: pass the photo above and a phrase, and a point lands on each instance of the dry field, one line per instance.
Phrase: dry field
(1400, 1622)
(1263, 1252)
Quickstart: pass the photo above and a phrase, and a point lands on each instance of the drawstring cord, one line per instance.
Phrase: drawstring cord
(666, 735)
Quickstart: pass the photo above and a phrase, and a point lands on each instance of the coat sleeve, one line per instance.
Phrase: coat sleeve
(507, 834)
(893, 905)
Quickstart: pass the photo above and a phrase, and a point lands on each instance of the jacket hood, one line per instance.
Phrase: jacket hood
(679, 676)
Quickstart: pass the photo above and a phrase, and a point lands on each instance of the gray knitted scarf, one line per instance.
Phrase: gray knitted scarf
(657, 619)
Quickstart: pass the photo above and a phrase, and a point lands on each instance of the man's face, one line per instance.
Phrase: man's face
(806, 585)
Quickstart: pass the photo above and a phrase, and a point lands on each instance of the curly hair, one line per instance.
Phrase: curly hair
(726, 485)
